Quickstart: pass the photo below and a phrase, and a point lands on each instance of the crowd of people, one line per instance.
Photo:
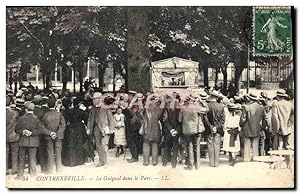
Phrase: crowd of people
(58, 129)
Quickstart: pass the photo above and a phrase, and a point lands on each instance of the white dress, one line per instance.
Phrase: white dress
(120, 136)
(231, 122)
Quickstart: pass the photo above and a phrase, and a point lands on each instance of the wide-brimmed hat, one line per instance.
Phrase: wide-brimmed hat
(29, 105)
(132, 92)
(203, 95)
(236, 98)
(20, 101)
(232, 106)
(44, 99)
(97, 95)
(24, 89)
(12, 106)
(139, 95)
(226, 101)
(19, 93)
(37, 99)
(252, 96)
(214, 93)
(281, 92)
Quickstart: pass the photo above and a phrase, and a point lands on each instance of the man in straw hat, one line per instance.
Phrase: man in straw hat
(214, 124)
(252, 116)
(29, 127)
(192, 120)
(100, 123)
(282, 113)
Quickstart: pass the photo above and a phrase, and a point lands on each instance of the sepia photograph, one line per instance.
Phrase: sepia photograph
(150, 97)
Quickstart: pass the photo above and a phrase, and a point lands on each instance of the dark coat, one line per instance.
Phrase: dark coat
(152, 130)
(251, 119)
(30, 122)
(215, 117)
(11, 121)
(133, 121)
(54, 121)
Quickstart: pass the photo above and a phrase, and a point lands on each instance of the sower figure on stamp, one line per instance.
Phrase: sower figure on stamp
(99, 124)
(253, 115)
(214, 128)
(55, 122)
(12, 138)
(30, 127)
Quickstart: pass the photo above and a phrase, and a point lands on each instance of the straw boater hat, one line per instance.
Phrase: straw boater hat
(214, 93)
(203, 95)
(20, 101)
(252, 96)
(139, 95)
(232, 106)
(281, 92)
(226, 101)
(132, 92)
(24, 89)
(37, 99)
(97, 95)
(29, 105)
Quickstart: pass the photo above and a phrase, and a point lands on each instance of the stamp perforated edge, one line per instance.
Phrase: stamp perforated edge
(253, 32)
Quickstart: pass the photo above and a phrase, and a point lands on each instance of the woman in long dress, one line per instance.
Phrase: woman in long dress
(120, 136)
(232, 128)
(75, 136)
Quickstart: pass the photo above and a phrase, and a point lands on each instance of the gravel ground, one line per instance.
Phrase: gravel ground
(120, 174)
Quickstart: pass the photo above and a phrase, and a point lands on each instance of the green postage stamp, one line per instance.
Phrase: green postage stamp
(272, 31)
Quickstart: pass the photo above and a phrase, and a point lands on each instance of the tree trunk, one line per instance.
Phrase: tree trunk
(74, 79)
(216, 76)
(101, 76)
(48, 80)
(10, 78)
(224, 72)
(138, 54)
(114, 76)
(205, 73)
(44, 81)
(64, 77)
(80, 71)
(237, 74)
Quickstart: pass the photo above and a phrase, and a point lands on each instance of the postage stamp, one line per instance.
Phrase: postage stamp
(272, 31)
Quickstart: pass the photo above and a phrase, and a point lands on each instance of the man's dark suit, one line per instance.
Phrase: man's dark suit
(215, 119)
(171, 144)
(29, 122)
(12, 139)
(40, 111)
(133, 124)
(251, 119)
(54, 121)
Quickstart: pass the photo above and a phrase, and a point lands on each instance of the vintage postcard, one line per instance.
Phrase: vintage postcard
(158, 97)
